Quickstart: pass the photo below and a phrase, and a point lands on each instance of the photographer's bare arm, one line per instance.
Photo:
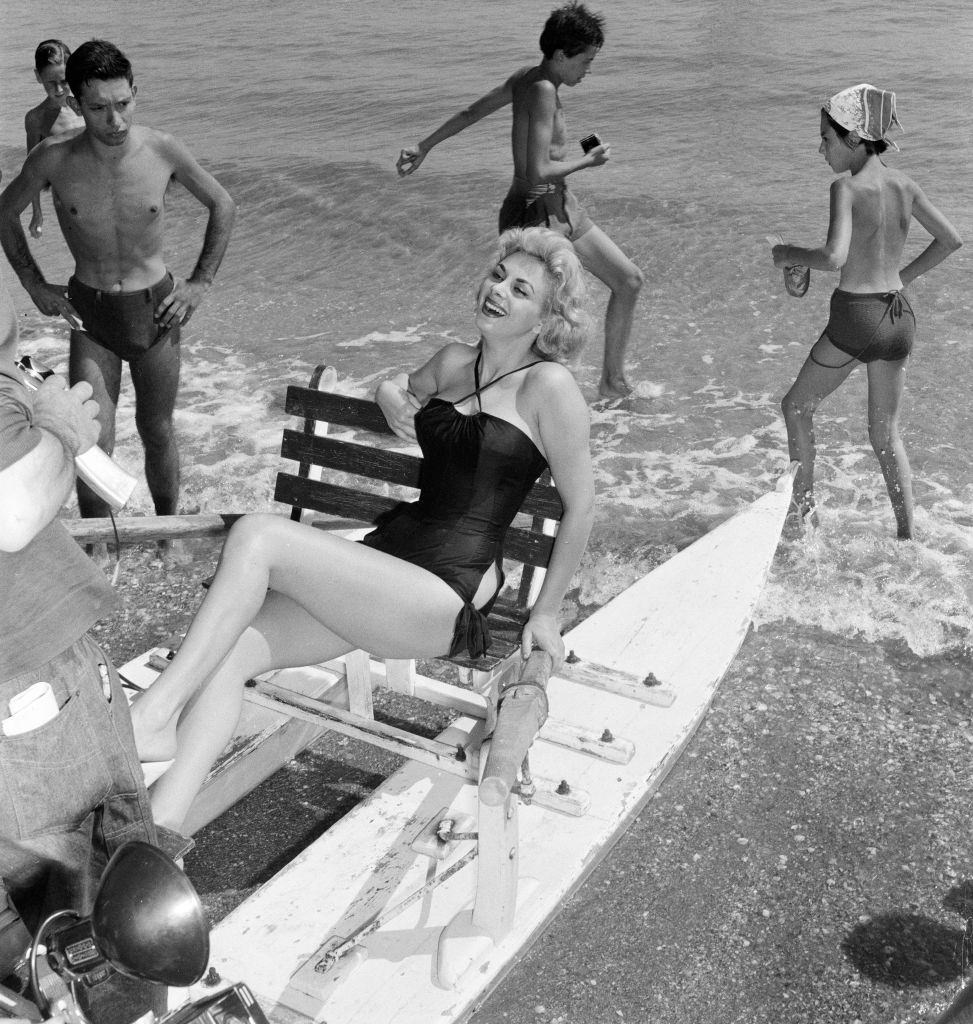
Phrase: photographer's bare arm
(112, 213)
(33, 489)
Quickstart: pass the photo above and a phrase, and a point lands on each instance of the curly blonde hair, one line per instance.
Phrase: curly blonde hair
(566, 325)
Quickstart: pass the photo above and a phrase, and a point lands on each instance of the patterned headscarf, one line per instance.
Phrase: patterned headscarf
(866, 111)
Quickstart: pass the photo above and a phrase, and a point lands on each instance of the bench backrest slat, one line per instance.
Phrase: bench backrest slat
(391, 466)
(348, 457)
(338, 410)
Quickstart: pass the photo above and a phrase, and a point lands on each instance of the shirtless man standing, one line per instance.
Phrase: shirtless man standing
(110, 184)
(538, 195)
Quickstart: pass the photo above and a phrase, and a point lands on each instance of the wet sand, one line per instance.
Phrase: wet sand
(808, 858)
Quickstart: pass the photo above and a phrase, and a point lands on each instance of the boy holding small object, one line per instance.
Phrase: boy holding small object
(538, 195)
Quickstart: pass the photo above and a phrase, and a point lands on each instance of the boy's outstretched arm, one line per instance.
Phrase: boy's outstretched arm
(412, 156)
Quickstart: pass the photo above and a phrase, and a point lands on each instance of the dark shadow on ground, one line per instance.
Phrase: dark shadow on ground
(959, 899)
(905, 950)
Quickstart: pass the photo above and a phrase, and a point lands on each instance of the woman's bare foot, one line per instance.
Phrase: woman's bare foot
(155, 738)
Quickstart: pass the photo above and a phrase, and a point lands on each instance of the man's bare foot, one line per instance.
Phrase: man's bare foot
(97, 551)
(176, 551)
(155, 740)
(614, 387)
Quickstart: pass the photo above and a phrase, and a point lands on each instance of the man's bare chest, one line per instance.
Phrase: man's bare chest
(124, 198)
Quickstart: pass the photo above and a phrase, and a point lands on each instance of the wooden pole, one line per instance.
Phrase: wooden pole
(144, 529)
(522, 712)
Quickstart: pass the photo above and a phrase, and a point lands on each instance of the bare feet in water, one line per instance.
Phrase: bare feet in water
(614, 387)
(802, 516)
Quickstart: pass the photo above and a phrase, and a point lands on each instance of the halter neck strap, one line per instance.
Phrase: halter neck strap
(476, 379)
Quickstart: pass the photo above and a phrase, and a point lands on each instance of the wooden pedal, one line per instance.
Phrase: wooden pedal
(603, 745)
(647, 689)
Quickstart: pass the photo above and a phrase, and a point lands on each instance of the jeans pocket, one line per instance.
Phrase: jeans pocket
(53, 777)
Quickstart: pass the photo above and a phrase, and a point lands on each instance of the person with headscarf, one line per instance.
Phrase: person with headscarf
(871, 320)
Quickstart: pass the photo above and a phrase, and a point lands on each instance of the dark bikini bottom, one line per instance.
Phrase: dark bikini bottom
(870, 326)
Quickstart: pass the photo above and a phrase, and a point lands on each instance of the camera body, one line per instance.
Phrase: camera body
(589, 142)
(234, 1005)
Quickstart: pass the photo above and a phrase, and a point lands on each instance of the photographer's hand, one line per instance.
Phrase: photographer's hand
(70, 414)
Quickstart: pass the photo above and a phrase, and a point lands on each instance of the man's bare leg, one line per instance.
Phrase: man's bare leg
(155, 376)
(603, 258)
(103, 371)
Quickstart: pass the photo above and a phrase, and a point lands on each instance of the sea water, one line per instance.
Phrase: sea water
(711, 110)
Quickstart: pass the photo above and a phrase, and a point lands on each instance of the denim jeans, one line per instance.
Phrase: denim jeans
(71, 793)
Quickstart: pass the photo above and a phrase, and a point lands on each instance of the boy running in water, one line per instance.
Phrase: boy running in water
(539, 195)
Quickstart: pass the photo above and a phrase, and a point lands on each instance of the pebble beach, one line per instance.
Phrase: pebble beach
(808, 858)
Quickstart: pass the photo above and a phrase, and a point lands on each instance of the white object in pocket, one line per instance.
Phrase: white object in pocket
(30, 709)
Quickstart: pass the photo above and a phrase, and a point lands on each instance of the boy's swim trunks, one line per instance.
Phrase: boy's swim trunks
(551, 205)
(122, 322)
(872, 325)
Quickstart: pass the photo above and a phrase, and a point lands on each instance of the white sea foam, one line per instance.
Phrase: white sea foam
(333, 260)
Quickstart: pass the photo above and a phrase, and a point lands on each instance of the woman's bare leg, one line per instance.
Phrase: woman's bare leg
(356, 596)
(281, 635)
(825, 369)
(886, 383)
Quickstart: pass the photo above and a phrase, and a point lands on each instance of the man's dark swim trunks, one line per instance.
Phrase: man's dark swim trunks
(544, 206)
(872, 325)
(123, 322)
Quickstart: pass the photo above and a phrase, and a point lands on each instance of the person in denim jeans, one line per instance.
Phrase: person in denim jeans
(71, 789)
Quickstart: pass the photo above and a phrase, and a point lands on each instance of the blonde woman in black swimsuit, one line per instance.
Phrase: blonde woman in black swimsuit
(871, 321)
(489, 420)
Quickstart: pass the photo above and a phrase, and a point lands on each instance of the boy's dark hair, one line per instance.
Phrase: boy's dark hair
(572, 29)
(51, 51)
(96, 60)
(872, 148)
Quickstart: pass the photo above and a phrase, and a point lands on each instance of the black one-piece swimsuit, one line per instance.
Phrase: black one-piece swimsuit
(476, 471)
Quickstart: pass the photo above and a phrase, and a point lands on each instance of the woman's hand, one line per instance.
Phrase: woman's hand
(542, 632)
(399, 407)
